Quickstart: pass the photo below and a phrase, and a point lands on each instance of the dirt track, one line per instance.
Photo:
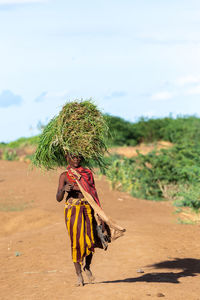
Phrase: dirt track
(35, 250)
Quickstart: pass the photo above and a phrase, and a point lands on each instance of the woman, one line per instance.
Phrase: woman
(79, 216)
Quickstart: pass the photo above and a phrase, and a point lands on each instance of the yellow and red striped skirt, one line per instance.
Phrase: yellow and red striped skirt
(79, 222)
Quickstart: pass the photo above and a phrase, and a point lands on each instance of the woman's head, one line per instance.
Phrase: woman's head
(74, 160)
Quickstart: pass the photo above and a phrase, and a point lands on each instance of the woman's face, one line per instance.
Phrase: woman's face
(74, 160)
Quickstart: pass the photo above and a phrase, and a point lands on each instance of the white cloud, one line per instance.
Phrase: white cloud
(188, 85)
(48, 96)
(165, 95)
(194, 91)
(186, 80)
(149, 114)
(182, 86)
(60, 94)
(116, 94)
(7, 2)
(41, 97)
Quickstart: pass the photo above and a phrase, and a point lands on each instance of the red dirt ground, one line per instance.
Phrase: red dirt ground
(35, 250)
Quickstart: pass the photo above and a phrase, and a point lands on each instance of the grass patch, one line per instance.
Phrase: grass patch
(11, 207)
(186, 222)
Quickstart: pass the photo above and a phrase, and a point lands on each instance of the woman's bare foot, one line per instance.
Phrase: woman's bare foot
(89, 275)
(80, 281)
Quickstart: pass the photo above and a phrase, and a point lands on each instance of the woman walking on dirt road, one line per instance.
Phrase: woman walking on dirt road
(78, 134)
(79, 216)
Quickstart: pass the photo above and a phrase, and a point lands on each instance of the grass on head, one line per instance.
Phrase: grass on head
(79, 129)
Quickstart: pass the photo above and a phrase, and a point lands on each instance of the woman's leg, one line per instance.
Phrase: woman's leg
(86, 268)
(73, 225)
(79, 274)
(88, 215)
(88, 261)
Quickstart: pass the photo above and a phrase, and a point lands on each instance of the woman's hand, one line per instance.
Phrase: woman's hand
(63, 187)
(68, 187)
(100, 222)
(103, 225)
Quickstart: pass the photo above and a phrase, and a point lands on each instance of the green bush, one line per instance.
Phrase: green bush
(121, 131)
(9, 154)
(170, 174)
(188, 195)
(175, 130)
(23, 142)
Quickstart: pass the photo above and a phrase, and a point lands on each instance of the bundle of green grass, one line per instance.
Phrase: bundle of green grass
(79, 129)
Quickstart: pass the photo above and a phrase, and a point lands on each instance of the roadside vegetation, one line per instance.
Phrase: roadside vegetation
(21, 149)
(165, 174)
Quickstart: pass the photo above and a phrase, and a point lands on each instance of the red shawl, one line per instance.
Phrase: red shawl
(86, 181)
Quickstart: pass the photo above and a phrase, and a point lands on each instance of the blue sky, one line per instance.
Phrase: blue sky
(134, 58)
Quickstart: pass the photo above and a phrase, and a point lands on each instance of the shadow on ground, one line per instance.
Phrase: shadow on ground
(188, 266)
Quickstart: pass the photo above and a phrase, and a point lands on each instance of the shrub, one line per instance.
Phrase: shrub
(9, 154)
(169, 174)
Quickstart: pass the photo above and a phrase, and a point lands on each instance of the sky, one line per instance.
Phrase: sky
(134, 58)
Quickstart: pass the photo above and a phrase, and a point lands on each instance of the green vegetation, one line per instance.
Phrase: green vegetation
(9, 154)
(11, 151)
(178, 130)
(172, 174)
(79, 129)
(121, 132)
(20, 143)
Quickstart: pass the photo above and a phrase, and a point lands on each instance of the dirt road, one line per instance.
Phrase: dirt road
(156, 258)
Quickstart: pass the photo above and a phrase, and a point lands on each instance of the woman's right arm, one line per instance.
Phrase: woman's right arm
(61, 188)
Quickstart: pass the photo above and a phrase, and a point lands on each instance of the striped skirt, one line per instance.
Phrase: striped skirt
(79, 222)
